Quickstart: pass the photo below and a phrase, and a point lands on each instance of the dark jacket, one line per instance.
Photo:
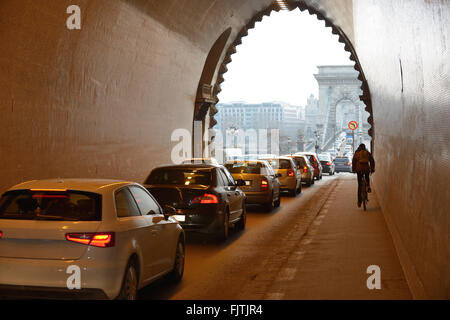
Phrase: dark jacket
(363, 167)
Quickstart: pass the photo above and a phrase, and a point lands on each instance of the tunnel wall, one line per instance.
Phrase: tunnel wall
(403, 48)
(97, 102)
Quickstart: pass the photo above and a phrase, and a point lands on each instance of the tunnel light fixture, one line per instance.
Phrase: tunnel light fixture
(282, 4)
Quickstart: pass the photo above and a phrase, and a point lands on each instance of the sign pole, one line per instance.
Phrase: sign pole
(353, 138)
(353, 125)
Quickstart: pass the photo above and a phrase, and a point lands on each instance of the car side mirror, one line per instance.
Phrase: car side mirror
(240, 183)
(158, 219)
(169, 211)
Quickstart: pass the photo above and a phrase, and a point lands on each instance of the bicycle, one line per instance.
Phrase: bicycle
(364, 193)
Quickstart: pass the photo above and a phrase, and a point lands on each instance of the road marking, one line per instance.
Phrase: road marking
(305, 241)
(274, 296)
(286, 274)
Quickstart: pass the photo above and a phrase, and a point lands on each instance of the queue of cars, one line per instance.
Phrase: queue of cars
(119, 236)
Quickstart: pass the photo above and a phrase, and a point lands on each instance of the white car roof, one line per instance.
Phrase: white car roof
(279, 157)
(90, 185)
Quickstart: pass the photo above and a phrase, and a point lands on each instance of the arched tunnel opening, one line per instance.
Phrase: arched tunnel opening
(110, 89)
(337, 101)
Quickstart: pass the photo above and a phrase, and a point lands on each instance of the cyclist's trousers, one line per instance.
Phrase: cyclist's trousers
(360, 175)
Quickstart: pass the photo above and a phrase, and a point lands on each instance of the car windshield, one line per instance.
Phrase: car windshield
(246, 167)
(279, 163)
(180, 176)
(50, 205)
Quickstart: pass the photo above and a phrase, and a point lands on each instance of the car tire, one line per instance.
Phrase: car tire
(268, 207)
(128, 291)
(293, 192)
(241, 223)
(178, 267)
(278, 202)
(222, 236)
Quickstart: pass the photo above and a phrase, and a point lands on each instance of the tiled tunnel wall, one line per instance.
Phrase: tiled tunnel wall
(403, 48)
(103, 101)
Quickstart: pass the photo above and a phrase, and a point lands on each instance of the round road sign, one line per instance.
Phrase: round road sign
(353, 125)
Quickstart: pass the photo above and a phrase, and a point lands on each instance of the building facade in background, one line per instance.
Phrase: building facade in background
(288, 119)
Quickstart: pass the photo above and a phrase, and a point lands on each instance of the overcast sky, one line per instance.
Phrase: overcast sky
(278, 58)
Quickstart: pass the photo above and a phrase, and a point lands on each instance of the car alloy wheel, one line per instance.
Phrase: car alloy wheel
(223, 234)
(241, 223)
(129, 286)
(178, 269)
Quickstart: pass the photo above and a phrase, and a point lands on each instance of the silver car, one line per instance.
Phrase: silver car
(305, 167)
(261, 181)
(85, 238)
(289, 176)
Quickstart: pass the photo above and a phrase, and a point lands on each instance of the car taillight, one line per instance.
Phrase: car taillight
(101, 239)
(328, 163)
(1, 234)
(349, 163)
(206, 199)
(305, 169)
(290, 173)
(264, 184)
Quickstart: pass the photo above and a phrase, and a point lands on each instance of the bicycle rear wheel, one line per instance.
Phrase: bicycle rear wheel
(364, 194)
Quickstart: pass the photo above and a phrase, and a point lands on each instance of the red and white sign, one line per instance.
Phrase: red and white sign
(353, 125)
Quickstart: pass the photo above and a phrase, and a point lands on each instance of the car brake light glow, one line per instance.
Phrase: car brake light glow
(206, 199)
(1, 234)
(328, 163)
(264, 184)
(349, 163)
(305, 169)
(102, 239)
(290, 173)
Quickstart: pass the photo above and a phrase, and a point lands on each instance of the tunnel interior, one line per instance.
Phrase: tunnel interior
(104, 101)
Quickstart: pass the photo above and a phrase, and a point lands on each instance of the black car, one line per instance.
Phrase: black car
(342, 164)
(327, 164)
(204, 197)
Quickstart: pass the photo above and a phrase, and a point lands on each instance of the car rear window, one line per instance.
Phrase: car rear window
(280, 163)
(51, 205)
(181, 176)
(245, 167)
(343, 160)
(299, 161)
(324, 157)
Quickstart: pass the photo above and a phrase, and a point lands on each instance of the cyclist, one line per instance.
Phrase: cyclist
(363, 164)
